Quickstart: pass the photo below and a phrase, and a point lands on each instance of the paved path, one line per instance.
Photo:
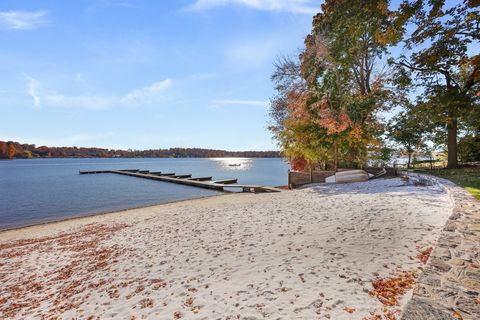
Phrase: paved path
(449, 288)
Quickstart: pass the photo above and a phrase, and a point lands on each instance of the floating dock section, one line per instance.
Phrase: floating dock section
(225, 185)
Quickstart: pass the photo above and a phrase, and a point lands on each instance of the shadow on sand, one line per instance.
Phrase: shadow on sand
(393, 185)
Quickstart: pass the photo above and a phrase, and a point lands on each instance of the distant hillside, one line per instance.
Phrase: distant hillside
(11, 150)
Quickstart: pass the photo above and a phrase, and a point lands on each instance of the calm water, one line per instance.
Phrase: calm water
(41, 190)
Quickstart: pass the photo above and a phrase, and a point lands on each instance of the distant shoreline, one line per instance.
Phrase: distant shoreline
(17, 150)
(226, 157)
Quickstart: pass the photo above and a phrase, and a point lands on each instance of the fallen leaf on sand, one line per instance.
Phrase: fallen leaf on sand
(389, 290)
(349, 309)
(424, 255)
(189, 302)
(146, 303)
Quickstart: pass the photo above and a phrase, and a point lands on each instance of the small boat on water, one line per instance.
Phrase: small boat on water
(234, 164)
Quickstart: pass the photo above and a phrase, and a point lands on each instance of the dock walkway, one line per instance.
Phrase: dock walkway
(225, 185)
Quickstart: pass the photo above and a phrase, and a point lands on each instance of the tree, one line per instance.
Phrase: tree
(11, 150)
(444, 59)
(288, 85)
(340, 65)
(3, 150)
(380, 155)
(405, 130)
(469, 148)
(304, 130)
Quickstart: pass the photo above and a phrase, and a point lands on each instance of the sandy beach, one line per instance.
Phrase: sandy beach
(322, 252)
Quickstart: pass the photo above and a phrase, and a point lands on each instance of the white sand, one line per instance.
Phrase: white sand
(303, 254)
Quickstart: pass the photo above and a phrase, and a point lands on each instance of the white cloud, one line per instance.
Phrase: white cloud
(236, 102)
(149, 95)
(23, 20)
(295, 6)
(32, 86)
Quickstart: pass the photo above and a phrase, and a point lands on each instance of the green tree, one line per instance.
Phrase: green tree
(469, 148)
(443, 60)
(405, 129)
(341, 65)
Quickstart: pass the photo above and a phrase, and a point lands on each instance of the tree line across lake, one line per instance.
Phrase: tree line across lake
(12, 150)
(372, 79)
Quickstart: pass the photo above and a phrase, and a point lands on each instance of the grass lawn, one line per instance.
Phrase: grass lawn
(468, 178)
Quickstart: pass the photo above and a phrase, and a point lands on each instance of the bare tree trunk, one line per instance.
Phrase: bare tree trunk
(452, 128)
(409, 160)
(335, 155)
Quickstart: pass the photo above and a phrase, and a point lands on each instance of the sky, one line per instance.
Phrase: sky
(144, 74)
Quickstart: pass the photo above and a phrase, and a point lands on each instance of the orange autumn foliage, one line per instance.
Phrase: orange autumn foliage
(424, 255)
(335, 121)
(389, 290)
(91, 257)
(298, 164)
(3, 149)
(349, 309)
(385, 315)
(356, 132)
(11, 151)
(297, 101)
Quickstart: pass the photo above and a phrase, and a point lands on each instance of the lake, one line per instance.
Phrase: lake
(41, 190)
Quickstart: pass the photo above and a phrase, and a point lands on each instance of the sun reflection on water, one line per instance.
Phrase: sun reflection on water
(233, 164)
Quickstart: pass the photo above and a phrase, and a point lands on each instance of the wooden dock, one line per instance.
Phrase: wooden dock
(226, 185)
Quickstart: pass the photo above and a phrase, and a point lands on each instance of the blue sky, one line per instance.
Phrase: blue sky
(144, 74)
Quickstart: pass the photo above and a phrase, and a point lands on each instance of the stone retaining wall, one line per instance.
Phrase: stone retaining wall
(449, 287)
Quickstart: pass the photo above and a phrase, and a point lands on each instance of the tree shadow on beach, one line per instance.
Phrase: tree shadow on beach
(378, 186)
